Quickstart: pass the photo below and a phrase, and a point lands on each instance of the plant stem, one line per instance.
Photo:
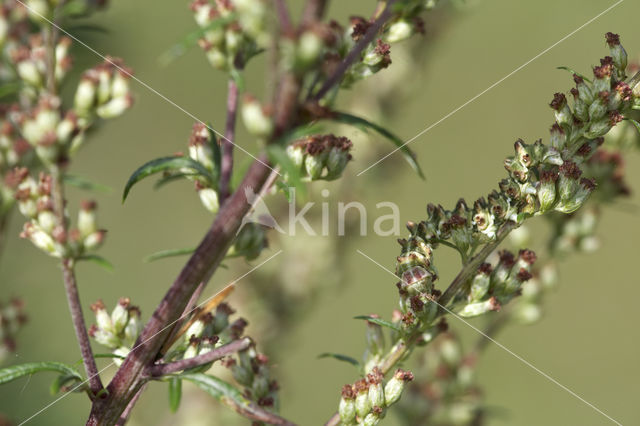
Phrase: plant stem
(124, 417)
(286, 27)
(313, 11)
(354, 54)
(202, 263)
(71, 289)
(4, 225)
(472, 265)
(159, 370)
(227, 143)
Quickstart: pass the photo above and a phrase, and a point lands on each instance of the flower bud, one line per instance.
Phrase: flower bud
(103, 319)
(362, 403)
(618, 53)
(602, 74)
(122, 353)
(528, 313)
(115, 107)
(375, 338)
(547, 189)
(479, 308)
(87, 219)
(105, 338)
(562, 112)
(192, 348)
(296, 154)
(120, 315)
(584, 189)
(337, 162)
(195, 330)
(399, 31)
(94, 240)
(347, 406)
(394, 387)
(47, 221)
(480, 283)
(200, 146)
(376, 391)
(41, 239)
(373, 418)
(599, 107)
(39, 10)
(85, 97)
(28, 71)
(256, 120)
(209, 199)
(134, 326)
(314, 164)
(558, 137)
(310, 46)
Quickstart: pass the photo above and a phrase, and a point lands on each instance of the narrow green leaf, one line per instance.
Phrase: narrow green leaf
(105, 356)
(379, 321)
(340, 357)
(9, 89)
(278, 155)
(573, 72)
(191, 39)
(217, 152)
(64, 380)
(361, 123)
(165, 164)
(175, 393)
(172, 177)
(98, 260)
(15, 372)
(87, 185)
(219, 389)
(169, 253)
(635, 123)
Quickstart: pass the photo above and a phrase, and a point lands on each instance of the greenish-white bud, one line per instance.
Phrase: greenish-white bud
(347, 406)
(480, 283)
(399, 31)
(315, 165)
(217, 58)
(547, 190)
(121, 353)
(376, 394)
(479, 308)
(310, 46)
(115, 107)
(94, 240)
(120, 315)
(87, 219)
(618, 53)
(209, 199)
(28, 72)
(257, 121)
(362, 403)
(134, 326)
(85, 96)
(371, 419)
(296, 154)
(394, 387)
(103, 319)
(195, 330)
(193, 348)
(47, 221)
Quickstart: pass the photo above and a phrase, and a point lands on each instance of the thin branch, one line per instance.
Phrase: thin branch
(124, 417)
(4, 226)
(159, 370)
(71, 290)
(227, 144)
(313, 11)
(286, 27)
(354, 54)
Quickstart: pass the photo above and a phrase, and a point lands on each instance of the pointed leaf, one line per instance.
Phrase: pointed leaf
(215, 149)
(340, 357)
(379, 321)
(64, 380)
(169, 253)
(98, 260)
(175, 393)
(172, 177)
(15, 372)
(82, 183)
(231, 397)
(361, 123)
(573, 72)
(165, 164)
(9, 89)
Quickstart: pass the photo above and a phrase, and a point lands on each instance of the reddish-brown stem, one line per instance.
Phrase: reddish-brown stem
(205, 259)
(124, 417)
(226, 167)
(159, 370)
(354, 55)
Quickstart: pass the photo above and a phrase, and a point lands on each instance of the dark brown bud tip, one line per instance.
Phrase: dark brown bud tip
(348, 392)
(612, 39)
(559, 101)
(528, 256)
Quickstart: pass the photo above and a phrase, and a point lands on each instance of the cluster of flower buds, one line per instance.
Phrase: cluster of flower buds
(495, 285)
(202, 145)
(444, 391)
(321, 156)
(248, 367)
(527, 308)
(118, 331)
(234, 30)
(14, 152)
(250, 241)
(104, 90)
(377, 56)
(13, 24)
(12, 318)
(541, 179)
(365, 402)
(42, 227)
(30, 59)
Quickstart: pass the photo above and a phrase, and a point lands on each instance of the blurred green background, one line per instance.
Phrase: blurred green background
(587, 339)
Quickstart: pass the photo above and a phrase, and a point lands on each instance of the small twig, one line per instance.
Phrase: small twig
(227, 143)
(286, 27)
(159, 370)
(354, 54)
(4, 225)
(124, 417)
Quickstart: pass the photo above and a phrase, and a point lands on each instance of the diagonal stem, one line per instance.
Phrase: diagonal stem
(227, 143)
(159, 370)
